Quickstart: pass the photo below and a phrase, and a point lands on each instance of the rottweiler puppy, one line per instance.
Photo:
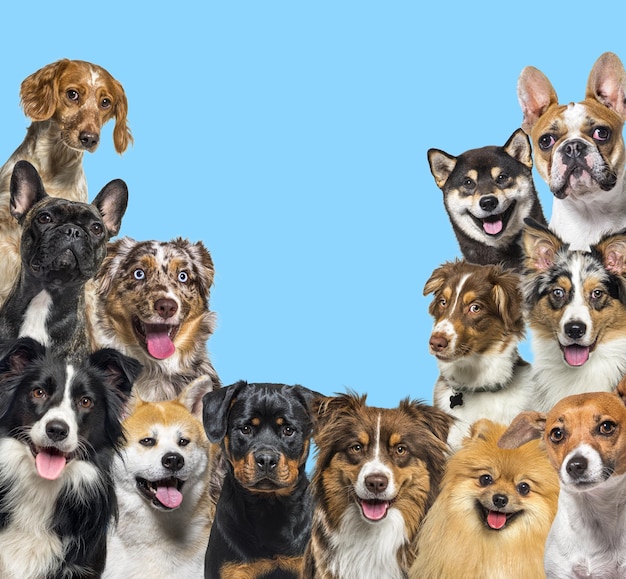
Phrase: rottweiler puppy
(263, 515)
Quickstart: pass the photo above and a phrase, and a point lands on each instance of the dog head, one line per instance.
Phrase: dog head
(264, 431)
(584, 435)
(155, 296)
(371, 461)
(166, 451)
(476, 310)
(80, 97)
(487, 192)
(63, 242)
(578, 147)
(574, 297)
(63, 413)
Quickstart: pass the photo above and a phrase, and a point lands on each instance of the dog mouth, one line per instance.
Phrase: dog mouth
(495, 224)
(374, 510)
(165, 494)
(49, 461)
(158, 339)
(575, 354)
(496, 520)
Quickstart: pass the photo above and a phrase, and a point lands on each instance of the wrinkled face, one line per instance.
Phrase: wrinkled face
(585, 440)
(579, 148)
(166, 453)
(267, 440)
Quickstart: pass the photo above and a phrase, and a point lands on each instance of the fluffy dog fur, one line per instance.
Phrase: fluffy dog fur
(493, 513)
(487, 193)
(575, 309)
(162, 487)
(579, 150)
(152, 304)
(585, 439)
(478, 325)
(68, 101)
(60, 425)
(376, 474)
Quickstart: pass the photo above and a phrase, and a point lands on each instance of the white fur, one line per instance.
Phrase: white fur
(34, 324)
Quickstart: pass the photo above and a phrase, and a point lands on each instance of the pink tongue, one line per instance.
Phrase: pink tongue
(158, 341)
(576, 355)
(374, 511)
(492, 227)
(169, 497)
(496, 520)
(50, 466)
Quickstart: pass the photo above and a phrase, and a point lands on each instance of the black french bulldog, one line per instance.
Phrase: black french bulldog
(63, 244)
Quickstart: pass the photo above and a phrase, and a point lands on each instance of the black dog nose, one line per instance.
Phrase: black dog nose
(89, 140)
(575, 149)
(576, 466)
(500, 501)
(488, 202)
(57, 430)
(173, 461)
(166, 308)
(376, 483)
(266, 461)
(73, 232)
(575, 330)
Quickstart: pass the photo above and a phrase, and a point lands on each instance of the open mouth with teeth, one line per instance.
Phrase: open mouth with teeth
(165, 494)
(494, 225)
(157, 338)
(495, 520)
(374, 510)
(575, 354)
(49, 461)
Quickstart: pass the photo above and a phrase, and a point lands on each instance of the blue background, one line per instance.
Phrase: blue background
(291, 138)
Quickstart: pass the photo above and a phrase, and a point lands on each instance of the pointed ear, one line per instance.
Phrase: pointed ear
(192, 396)
(525, 427)
(612, 249)
(535, 95)
(111, 202)
(441, 166)
(540, 246)
(216, 409)
(26, 189)
(620, 389)
(607, 83)
(518, 147)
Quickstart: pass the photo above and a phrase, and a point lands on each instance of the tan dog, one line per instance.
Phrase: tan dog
(579, 150)
(585, 437)
(493, 513)
(68, 101)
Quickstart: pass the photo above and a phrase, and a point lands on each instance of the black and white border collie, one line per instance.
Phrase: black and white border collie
(59, 427)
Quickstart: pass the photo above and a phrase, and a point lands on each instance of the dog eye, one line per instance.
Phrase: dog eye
(246, 429)
(139, 274)
(39, 393)
(96, 228)
(468, 183)
(596, 294)
(523, 488)
(356, 448)
(401, 450)
(442, 303)
(44, 218)
(86, 403)
(147, 441)
(601, 134)
(546, 141)
(183, 277)
(183, 442)
(607, 427)
(105, 103)
(502, 178)
(558, 293)
(72, 94)
(557, 435)
(288, 431)
(474, 309)
(485, 480)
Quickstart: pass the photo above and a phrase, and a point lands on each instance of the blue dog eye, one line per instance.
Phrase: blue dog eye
(139, 274)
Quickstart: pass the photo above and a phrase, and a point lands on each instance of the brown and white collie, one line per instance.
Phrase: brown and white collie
(377, 472)
(576, 313)
(478, 324)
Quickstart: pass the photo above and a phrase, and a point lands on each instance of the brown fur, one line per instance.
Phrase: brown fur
(260, 568)
(455, 540)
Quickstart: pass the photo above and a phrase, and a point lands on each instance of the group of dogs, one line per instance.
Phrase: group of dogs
(122, 455)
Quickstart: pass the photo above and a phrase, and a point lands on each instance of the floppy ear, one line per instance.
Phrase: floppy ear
(216, 409)
(122, 136)
(39, 92)
(119, 371)
(508, 298)
(116, 253)
(518, 147)
(441, 166)
(607, 83)
(26, 189)
(540, 246)
(535, 95)
(437, 278)
(111, 202)
(525, 427)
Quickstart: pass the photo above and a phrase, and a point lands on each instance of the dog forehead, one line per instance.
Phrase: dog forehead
(268, 401)
(162, 417)
(584, 411)
(480, 163)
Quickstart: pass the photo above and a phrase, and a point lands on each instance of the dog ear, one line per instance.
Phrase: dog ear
(216, 408)
(507, 296)
(434, 419)
(441, 166)
(192, 396)
(116, 253)
(39, 92)
(111, 202)
(525, 427)
(438, 277)
(535, 95)
(620, 389)
(540, 246)
(518, 147)
(118, 370)
(607, 83)
(612, 249)
(122, 137)
(26, 189)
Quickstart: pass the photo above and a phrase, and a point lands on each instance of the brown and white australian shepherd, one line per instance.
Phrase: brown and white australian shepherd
(478, 324)
(377, 472)
(152, 304)
(576, 312)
